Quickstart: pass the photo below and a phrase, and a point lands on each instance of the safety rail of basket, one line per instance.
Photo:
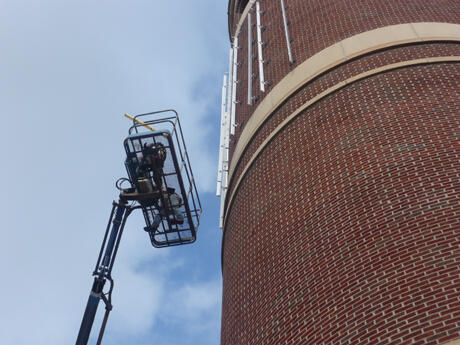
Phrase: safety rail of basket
(177, 174)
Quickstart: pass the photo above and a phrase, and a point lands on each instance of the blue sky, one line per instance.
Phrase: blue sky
(69, 71)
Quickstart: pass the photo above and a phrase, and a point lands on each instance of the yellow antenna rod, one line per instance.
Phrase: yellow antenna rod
(140, 122)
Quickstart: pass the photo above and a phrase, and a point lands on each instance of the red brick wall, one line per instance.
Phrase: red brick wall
(317, 24)
(350, 69)
(346, 228)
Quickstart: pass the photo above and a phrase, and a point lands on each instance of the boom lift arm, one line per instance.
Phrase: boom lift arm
(103, 271)
(171, 205)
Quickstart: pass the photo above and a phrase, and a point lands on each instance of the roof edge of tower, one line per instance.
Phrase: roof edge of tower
(240, 7)
(231, 16)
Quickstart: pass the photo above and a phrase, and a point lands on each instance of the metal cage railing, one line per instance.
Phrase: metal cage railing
(170, 221)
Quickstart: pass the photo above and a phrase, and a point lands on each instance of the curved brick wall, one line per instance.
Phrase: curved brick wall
(345, 228)
(317, 24)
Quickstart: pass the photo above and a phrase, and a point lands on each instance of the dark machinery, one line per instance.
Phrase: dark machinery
(161, 184)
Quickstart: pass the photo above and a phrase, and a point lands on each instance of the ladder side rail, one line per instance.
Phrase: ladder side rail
(222, 199)
(226, 149)
(259, 48)
(249, 58)
(226, 123)
(286, 32)
(221, 213)
(230, 90)
(221, 143)
(234, 85)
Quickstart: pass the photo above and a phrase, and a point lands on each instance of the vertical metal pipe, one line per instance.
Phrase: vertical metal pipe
(224, 94)
(222, 128)
(230, 82)
(249, 58)
(221, 214)
(259, 49)
(226, 130)
(235, 80)
(286, 31)
(226, 127)
(228, 119)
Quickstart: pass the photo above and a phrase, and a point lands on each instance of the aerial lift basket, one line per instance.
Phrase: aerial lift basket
(168, 196)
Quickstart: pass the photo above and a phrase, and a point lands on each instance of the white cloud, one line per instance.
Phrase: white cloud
(198, 299)
(193, 312)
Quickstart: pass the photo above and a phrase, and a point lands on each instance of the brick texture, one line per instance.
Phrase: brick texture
(317, 24)
(350, 69)
(346, 228)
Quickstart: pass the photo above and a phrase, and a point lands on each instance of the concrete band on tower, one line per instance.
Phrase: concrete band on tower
(338, 54)
(342, 213)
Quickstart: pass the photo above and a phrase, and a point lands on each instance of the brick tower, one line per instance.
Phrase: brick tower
(340, 173)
